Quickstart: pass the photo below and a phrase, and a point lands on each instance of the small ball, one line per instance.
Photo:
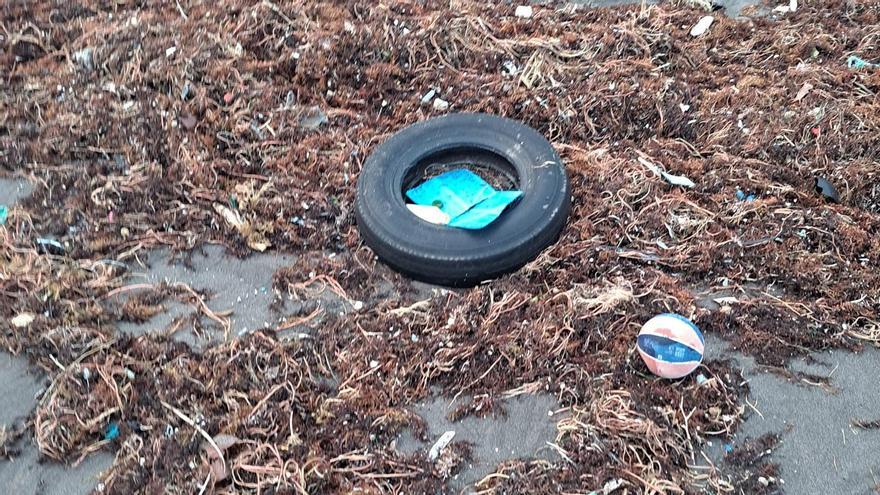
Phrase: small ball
(670, 345)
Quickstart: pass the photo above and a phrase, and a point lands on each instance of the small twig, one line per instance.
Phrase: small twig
(177, 412)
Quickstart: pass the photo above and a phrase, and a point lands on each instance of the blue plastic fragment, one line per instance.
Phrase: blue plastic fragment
(665, 349)
(470, 201)
(4, 214)
(486, 211)
(111, 432)
(854, 62)
(740, 195)
(728, 448)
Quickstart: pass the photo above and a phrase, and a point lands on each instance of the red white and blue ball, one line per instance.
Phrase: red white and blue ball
(670, 345)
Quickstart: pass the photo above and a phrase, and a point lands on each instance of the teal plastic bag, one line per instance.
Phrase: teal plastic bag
(485, 212)
(454, 192)
(469, 201)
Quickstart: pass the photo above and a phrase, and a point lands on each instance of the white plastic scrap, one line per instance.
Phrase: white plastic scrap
(426, 98)
(440, 104)
(805, 89)
(524, 11)
(430, 214)
(702, 26)
(440, 444)
(676, 180)
(22, 320)
(784, 9)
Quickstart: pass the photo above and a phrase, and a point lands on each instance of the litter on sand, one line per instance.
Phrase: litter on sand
(676, 180)
(459, 198)
(440, 444)
(702, 26)
(4, 214)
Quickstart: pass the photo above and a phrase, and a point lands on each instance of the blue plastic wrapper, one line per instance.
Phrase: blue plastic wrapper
(454, 192)
(470, 202)
(486, 211)
(668, 350)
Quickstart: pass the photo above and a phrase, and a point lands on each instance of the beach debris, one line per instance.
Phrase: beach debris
(609, 487)
(805, 89)
(427, 97)
(827, 190)
(509, 68)
(429, 213)
(728, 448)
(49, 246)
(670, 345)
(4, 214)
(702, 26)
(22, 320)
(440, 104)
(461, 198)
(676, 180)
(855, 62)
(312, 118)
(524, 11)
(84, 58)
(743, 196)
(112, 431)
(701, 379)
(440, 444)
(784, 9)
(214, 453)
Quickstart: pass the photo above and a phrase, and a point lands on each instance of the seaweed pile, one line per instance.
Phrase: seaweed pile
(245, 123)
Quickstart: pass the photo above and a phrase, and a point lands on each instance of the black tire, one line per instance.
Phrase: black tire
(451, 256)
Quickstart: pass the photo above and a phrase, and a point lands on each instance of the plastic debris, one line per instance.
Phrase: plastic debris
(670, 345)
(803, 91)
(701, 379)
(427, 97)
(440, 104)
(676, 180)
(84, 58)
(827, 190)
(22, 320)
(524, 11)
(49, 246)
(111, 432)
(702, 26)
(312, 118)
(440, 444)
(4, 214)
(430, 214)
(854, 62)
(744, 197)
(466, 200)
(784, 9)
(728, 448)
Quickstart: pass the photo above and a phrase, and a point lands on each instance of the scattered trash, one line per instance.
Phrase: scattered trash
(440, 104)
(83, 58)
(701, 379)
(744, 197)
(728, 448)
(676, 180)
(49, 246)
(684, 107)
(312, 118)
(510, 68)
(460, 197)
(609, 487)
(524, 11)
(86, 374)
(702, 26)
(440, 444)
(827, 190)
(854, 62)
(670, 345)
(427, 97)
(784, 9)
(4, 214)
(111, 432)
(803, 91)
(429, 213)
(22, 320)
